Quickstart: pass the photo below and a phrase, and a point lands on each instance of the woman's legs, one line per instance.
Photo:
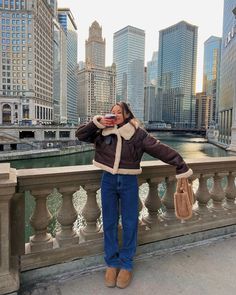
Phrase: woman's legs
(110, 215)
(124, 188)
(128, 191)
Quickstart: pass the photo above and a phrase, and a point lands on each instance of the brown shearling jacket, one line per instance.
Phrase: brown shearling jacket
(119, 150)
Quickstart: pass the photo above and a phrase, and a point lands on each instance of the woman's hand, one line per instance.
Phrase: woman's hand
(107, 122)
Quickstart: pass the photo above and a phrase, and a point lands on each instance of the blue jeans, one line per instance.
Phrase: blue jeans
(119, 190)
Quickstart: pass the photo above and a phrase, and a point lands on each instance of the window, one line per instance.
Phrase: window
(49, 134)
(64, 134)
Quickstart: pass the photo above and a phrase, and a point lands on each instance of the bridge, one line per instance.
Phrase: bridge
(173, 257)
(177, 130)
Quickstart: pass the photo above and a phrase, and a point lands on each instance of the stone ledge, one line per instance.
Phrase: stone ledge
(9, 283)
(4, 171)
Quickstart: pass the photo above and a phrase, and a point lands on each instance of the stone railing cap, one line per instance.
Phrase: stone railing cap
(4, 171)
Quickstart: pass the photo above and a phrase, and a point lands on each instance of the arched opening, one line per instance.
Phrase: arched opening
(6, 114)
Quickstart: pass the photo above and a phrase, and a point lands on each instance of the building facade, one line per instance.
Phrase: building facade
(95, 46)
(203, 110)
(96, 83)
(152, 69)
(59, 74)
(227, 99)
(150, 104)
(211, 75)
(128, 56)
(177, 73)
(26, 63)
(67, 22)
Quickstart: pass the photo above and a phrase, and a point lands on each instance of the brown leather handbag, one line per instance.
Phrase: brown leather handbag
(183, 199)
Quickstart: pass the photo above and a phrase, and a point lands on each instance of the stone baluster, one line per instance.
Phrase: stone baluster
(40, 220)
(217, 193)
(66, 216)
(91, 212)
(9, 269)
(152, 203)
(18, 224)
(202, 194)
(141, 225)
(168, 199)
(230, 192)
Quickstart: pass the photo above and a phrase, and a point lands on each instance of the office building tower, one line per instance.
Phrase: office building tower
(227, 98)
(128, 55)
(203, 110)
(177, 73)
(26, 64)
(67, 22)
(96, 83)
(211, 75)
(152, 68)
(59, 74)
(151, 113)
(81, 65)
(95, 46)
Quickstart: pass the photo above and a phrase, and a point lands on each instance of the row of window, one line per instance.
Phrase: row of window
(12, 5)
(16, 35)
(15, 15)
(16, 61)
(13, 28)
(14, 93)
(16, 48)
(14, 88)
(14, 55)
(43, 113)
(16, 74)
(14, 68)
(15, 41)
(15, 81)
(52, 134)
(15, 21)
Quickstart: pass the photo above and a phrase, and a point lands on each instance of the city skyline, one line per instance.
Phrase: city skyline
(166, 14)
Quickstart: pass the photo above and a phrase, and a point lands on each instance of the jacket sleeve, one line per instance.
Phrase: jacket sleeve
(88, 132)
(163, 152)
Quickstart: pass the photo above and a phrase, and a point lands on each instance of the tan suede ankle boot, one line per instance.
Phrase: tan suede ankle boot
(124, 278)
(110, 276)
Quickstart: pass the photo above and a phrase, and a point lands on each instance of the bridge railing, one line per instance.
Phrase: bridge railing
(77, 230)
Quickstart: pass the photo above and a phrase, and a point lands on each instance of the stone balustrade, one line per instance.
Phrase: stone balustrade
(78, 231)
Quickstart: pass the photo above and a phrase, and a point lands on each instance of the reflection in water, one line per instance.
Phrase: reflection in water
(188, 145)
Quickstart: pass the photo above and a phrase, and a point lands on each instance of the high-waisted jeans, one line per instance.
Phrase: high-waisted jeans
(119, 191)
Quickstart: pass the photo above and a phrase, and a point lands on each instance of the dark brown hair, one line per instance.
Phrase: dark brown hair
(127, 113)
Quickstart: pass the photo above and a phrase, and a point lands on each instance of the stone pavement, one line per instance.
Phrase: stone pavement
(203, 268)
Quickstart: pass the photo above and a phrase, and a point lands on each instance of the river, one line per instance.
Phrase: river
(188, 145)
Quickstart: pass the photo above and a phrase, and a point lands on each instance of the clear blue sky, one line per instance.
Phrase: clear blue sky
(149, 15)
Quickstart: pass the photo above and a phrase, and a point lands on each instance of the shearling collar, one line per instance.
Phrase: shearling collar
(126, 131)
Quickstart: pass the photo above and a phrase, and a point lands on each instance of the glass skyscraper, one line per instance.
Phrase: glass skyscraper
(211, 75)
(66, 20)
(128, 55)
(152, 69)
(177, 73)
(227, 99)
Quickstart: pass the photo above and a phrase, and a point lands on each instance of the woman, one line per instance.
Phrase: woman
(119, 146)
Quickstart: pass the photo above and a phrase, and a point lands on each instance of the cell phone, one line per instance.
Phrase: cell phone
(110, 116)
